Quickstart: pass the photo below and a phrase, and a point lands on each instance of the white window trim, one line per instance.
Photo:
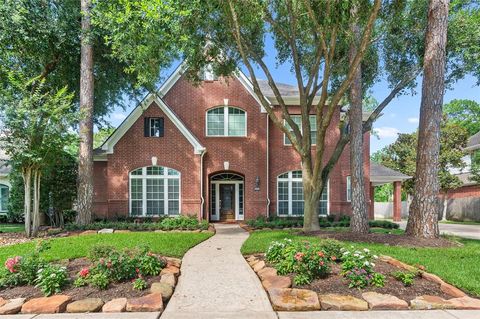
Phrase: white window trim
(144, 177)
(349, 188)
(291, 179)
(225, 121)
(216, 184)
(299, 126)
(152, 124)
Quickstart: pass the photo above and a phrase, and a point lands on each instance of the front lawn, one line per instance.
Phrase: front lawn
(174, 244)
(456, 265)
(11, 228)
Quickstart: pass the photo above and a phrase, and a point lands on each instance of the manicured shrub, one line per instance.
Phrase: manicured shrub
(139, 284)
(99, 280)
(332, 248)
(358, 269)
(51, 278)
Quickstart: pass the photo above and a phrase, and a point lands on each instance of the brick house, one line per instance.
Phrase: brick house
(210, 151)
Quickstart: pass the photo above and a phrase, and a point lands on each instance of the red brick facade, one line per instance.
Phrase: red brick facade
(246, 156)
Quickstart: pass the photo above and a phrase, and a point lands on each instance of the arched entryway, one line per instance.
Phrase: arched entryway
(226, 197)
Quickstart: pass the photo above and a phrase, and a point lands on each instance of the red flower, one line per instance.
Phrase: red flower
(321, 254)
(333, 258)
(84, 272)
(299, 256)
(137, 270)
(11, 263)
(322, 263)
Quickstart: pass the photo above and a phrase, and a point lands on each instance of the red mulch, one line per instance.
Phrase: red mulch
(115, 290)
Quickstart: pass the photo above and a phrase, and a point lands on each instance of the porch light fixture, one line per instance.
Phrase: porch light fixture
(154, 161)
(257, 184)
(226, 165)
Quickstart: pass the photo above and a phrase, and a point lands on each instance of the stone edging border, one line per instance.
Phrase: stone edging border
(160, 293)
(285, 298)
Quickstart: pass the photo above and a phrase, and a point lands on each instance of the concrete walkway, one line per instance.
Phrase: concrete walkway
(460, 230)
(216, 281)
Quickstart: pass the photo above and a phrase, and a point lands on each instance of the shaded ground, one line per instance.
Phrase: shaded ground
(386, 239)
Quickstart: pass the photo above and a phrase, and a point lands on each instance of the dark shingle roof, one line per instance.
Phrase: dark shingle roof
(474, 140)
(378, 170)
(285, 89)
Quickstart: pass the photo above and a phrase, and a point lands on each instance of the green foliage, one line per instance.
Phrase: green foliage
(51, 278)
(358, 268)
(139, 284)
(99, 280)
(101, 251)
(401, 155)
(407, 278)
(307, 261)
(464, 113)
(101, 136)
(150, 265)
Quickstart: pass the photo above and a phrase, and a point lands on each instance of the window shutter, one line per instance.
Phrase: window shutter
(161, 127)
(146, 126)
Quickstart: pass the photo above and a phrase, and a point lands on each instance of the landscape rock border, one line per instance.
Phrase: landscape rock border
(285, 298)
(154, 301)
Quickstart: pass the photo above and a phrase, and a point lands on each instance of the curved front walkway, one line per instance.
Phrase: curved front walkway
(216, 281)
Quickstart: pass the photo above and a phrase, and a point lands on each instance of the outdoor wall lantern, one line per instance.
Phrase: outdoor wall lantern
(257, 183)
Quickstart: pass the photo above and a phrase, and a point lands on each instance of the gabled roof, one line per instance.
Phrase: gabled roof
(473, 142)
(108, 145)
(380, 174)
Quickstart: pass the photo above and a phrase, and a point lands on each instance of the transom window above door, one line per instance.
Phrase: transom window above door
(226, 121)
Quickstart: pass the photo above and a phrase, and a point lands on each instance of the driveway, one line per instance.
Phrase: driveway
(465, 231)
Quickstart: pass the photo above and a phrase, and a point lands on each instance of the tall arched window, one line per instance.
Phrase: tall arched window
(290, 195)
(154, 191)
(226, 121)
(4, 194)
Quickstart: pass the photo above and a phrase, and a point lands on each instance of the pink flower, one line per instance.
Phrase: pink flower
(333, 258)
(101, 261)
(299, 256)
(322, 263)
(137, 270)
(11, 263)
(109, 264)
(84, 272)
(321, 254)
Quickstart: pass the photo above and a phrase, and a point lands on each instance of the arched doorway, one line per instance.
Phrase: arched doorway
(226, 197)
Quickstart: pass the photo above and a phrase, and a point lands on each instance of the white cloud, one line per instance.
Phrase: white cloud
(413, 120)
(118, 116)
(386, 132)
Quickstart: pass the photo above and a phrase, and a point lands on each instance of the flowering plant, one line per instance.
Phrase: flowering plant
(12, 264)
(358, 268)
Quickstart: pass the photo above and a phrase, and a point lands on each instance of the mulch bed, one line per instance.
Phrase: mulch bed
(336, 284)
(386, 239)
(115, 290)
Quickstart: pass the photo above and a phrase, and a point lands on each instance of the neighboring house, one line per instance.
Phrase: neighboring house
(5, 170)
(211, 151)
(463, 203)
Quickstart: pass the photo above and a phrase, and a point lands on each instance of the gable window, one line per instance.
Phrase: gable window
(349, 189)
(154, 191)
(226, 121)
(290, 195)
(297, 119)
(4, 194)
(153, 126)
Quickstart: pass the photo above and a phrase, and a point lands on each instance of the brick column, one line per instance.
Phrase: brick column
(397, 201)
(371, 211)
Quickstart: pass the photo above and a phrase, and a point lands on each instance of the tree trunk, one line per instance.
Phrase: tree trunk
(36, 202)
(85, 166)
(423, 218)
(27, 200)
(311, 196)
(359, 221)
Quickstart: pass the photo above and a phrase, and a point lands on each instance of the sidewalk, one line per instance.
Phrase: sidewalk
(216, 281)
(465, 231)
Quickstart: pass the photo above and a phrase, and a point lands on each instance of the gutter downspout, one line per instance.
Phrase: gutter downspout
(202, 199)
(268, 167)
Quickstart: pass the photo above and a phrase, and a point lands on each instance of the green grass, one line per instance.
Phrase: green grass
(457, 265)
(459, 222)
(11, 228)
(168, 244)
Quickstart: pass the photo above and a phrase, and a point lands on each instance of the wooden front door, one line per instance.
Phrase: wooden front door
(227, 201)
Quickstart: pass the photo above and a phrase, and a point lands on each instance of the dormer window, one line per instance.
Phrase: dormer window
(226, 121)
(153, 126)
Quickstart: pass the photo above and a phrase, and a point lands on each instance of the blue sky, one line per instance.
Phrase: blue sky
(400, 116)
